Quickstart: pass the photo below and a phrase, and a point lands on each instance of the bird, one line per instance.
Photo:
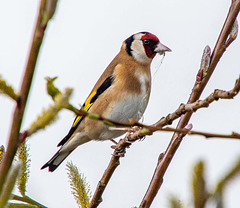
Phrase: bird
(121, 93)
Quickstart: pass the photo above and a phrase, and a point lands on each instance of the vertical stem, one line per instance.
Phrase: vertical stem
(13, 140)
(10, 183)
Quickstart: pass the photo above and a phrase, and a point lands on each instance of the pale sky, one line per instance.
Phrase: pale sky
(80, 42)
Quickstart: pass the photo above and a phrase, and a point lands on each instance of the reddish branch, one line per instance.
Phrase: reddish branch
(13, 140)
(163, 164)
(113, 164)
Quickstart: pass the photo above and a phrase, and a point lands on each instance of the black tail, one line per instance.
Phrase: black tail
(56, 160)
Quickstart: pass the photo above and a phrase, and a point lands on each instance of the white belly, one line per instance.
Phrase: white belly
(131, 107)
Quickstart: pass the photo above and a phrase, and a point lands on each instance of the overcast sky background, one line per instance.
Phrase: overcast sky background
(80, 42)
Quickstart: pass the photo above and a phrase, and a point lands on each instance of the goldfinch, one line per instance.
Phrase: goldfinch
(122, 92)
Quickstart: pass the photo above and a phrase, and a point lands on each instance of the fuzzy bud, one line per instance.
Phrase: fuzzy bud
(234, 32)
(2, 152)
(205, 62)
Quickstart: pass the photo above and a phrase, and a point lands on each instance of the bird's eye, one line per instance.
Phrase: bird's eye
(146, 41)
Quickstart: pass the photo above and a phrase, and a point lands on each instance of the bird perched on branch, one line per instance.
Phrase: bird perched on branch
(122, 92)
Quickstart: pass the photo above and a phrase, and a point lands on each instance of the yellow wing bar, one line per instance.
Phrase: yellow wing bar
(86, 107)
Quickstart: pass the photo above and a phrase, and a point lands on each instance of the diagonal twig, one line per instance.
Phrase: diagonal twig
(183, 108)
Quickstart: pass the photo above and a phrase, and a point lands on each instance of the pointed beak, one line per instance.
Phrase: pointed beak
(161, 49)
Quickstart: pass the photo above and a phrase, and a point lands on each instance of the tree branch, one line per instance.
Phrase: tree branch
(192, 107)
(113, 164)
(163, 164)
(13, 141)
(148, 130)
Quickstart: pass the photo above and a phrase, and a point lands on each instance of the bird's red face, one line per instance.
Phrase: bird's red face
(150, 42)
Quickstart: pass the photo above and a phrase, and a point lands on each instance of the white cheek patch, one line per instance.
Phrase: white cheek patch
(139, 53)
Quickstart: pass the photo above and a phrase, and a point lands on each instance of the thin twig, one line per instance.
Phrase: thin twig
(149, 130)
(192, 107)
(27, 200)
(234, 135)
